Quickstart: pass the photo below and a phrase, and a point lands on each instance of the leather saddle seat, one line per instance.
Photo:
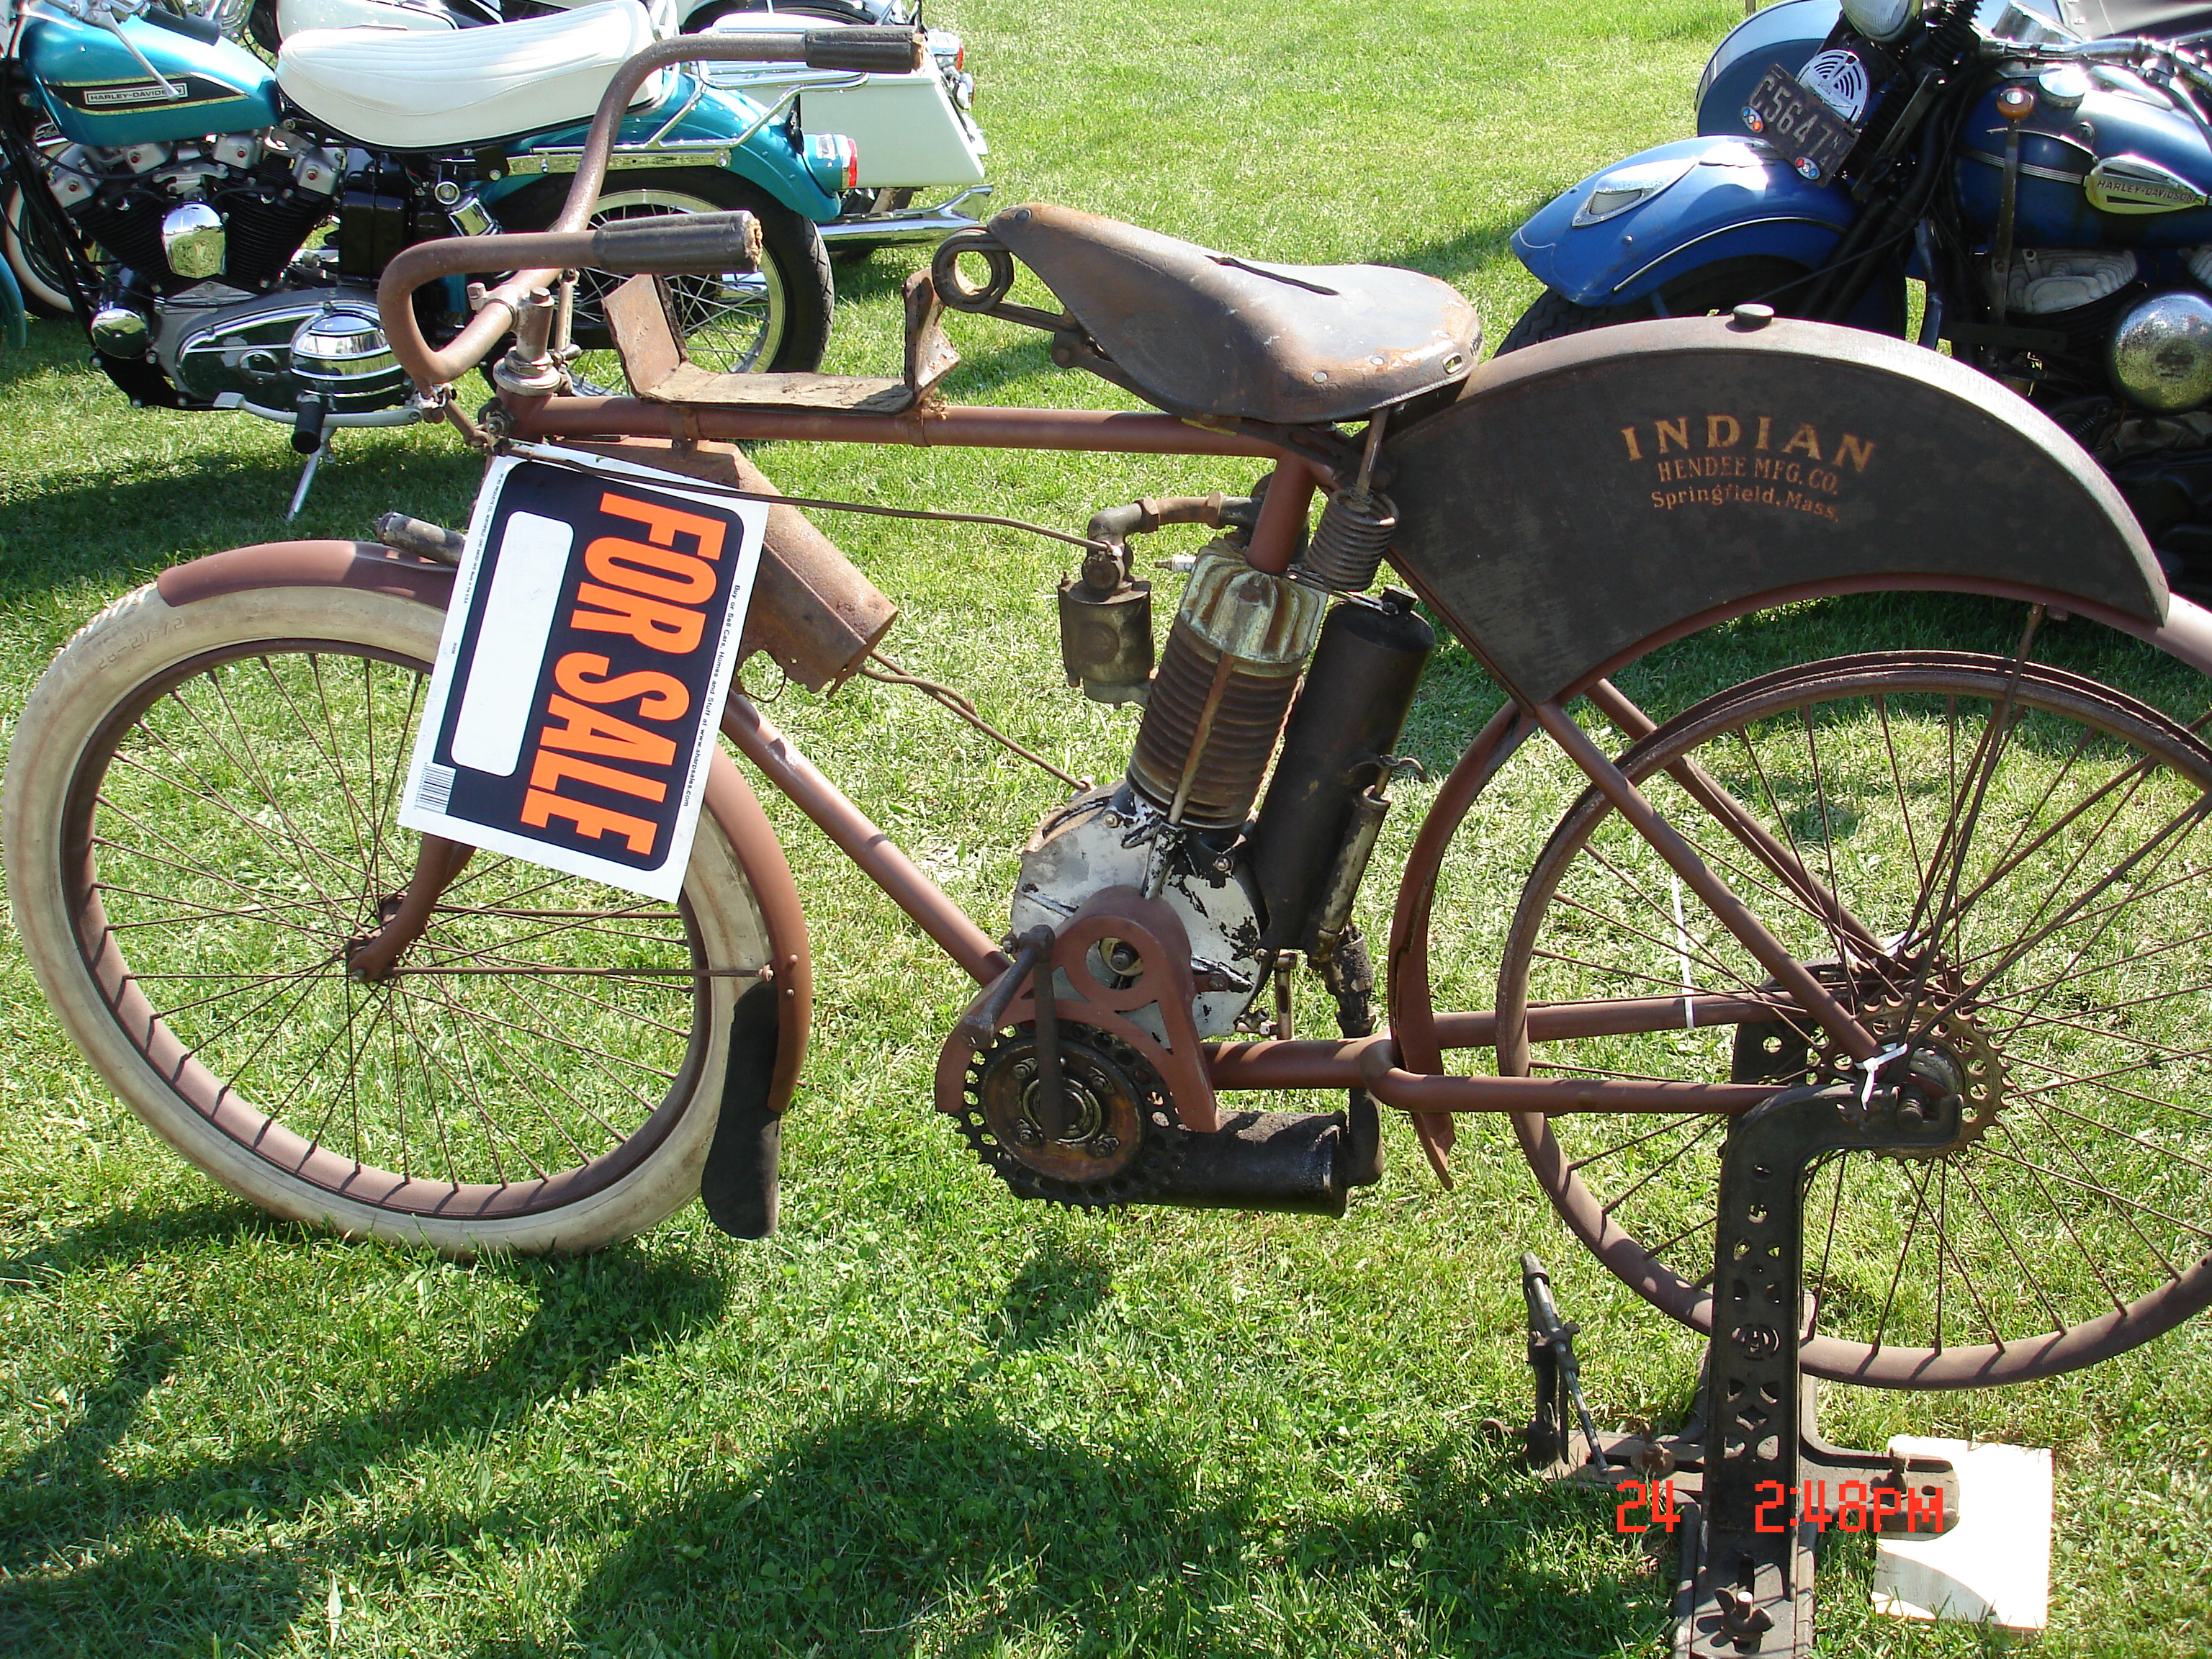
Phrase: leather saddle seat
(397, 89)
(1205, 333)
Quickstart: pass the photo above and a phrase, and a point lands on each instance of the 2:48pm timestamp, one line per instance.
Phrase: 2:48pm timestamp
(1860, 1506)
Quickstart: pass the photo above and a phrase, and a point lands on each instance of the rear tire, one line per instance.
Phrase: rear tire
(775, 321)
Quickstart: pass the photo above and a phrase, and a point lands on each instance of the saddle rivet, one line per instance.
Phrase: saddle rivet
(1320, 375)
(1748, 316)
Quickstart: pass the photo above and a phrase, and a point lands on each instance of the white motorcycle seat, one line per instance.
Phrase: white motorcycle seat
(392, 90)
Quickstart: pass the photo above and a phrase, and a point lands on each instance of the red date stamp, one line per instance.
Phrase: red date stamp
(1859, 1507)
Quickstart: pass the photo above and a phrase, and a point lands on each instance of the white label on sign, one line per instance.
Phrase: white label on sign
(525, 585)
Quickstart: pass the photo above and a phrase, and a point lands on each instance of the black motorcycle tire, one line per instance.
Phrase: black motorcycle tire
(799, 296)
(1719, 287)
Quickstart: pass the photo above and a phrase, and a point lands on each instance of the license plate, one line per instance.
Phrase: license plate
(1813, 137)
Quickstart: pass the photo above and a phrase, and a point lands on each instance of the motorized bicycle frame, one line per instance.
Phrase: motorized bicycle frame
(1403, 1067)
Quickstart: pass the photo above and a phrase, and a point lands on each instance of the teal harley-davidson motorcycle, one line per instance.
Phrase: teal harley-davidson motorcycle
(217, 226)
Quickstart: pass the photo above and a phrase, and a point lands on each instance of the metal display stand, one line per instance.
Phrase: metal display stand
(1751, 1485)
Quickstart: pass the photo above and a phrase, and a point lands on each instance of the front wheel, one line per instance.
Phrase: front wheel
(1721, 286)
(41, 273)
(200, 823)
(773, 320)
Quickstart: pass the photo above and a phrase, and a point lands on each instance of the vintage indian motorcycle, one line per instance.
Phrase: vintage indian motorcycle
(2054, 191)
(168, 188)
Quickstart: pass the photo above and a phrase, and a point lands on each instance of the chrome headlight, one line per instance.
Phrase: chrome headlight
(1881, 20)
(1623, 188)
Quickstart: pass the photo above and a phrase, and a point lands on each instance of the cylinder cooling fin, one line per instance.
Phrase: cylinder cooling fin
(1225, 684)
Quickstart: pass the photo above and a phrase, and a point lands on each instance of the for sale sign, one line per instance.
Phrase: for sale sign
(580, 680)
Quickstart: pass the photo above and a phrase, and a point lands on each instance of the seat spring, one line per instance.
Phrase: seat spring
(1348, 546)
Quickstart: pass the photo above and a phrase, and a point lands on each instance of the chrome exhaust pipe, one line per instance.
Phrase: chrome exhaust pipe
(906, 225)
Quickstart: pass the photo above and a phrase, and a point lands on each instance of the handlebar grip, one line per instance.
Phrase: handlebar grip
(678, 244)
(869, 48)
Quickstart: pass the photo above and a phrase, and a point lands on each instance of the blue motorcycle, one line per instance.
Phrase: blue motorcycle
(218, 226)
(2046, 172)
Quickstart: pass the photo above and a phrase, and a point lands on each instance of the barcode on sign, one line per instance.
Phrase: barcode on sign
(436, 789)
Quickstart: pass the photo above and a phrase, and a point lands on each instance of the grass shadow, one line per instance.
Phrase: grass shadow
(942, 1529)
(591, 1316)
(1057, 1289)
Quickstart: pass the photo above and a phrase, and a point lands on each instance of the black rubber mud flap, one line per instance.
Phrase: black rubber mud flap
(737, 1185)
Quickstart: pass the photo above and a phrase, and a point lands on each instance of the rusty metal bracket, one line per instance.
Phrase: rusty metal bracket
(1748, 1480)
(1772, 1486)
(1145, 934)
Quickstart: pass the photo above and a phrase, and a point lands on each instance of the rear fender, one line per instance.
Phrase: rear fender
(730, 798)
(1727, 199)
(718, 116)
(1587, 495)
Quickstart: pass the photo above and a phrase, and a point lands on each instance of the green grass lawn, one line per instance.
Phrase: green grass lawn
(924, 1419)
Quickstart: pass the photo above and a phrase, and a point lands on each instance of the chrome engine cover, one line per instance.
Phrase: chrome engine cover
(2161, 352)
(342, 353)
(219, 345)
(1111, 837)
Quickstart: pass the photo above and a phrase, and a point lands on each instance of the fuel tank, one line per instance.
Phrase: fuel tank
(98, 94)
(2106, 160)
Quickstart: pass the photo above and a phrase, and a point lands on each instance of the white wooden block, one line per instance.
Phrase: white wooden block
(1994, 1567)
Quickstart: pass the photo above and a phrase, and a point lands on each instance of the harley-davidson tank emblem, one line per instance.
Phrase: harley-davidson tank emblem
(1747, 460)
(2132, 183)
(107, 96)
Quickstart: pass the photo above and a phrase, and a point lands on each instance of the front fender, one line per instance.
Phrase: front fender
(1728, 197)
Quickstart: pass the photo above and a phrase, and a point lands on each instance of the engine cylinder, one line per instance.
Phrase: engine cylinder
(1224, 683)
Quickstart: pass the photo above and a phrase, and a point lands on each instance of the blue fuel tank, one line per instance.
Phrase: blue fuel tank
(2058, 149)
(98, 94)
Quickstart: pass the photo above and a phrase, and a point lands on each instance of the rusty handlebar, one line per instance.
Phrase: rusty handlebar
(568, 245)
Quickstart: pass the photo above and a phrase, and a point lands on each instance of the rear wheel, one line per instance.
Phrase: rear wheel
(2021, 868)
(200, 822)
(1720, 287)
(775, 319)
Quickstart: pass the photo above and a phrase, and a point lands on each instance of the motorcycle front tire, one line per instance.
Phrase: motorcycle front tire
(1721, 286)
(45, 292)
(775, 321)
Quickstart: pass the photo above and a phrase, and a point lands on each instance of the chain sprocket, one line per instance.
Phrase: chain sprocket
(1952, 1055)
(1122, 1137)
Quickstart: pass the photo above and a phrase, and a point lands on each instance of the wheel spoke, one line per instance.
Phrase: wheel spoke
(2032, 844)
